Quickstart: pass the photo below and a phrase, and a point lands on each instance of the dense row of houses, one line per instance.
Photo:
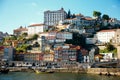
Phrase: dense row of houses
(66, 54)
(52, 39)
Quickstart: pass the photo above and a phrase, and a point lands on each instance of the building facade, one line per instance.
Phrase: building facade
(114, 21)
(116, 38)
(20, 30)
(80, 22)
(64, 35)
(105, 36)
(30, 57)
(36, 28)
(52, 18)
(65, 54)
(48, 57)
(8, 53)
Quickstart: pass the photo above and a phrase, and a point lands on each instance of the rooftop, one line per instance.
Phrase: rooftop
(111, 30)
(21, 29)
(33, 25)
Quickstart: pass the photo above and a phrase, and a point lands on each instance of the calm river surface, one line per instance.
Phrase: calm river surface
(54, 76)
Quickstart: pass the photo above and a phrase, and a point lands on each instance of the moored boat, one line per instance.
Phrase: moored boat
(39, 71)
(4, 71)
(44, 71)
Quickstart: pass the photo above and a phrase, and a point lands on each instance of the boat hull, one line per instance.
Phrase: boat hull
(4, 71)
(43, 72)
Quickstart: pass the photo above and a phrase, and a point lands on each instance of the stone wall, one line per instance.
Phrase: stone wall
(112, 71)
(104, 71)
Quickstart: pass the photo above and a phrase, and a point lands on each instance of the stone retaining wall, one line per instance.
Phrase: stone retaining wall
(112, 71)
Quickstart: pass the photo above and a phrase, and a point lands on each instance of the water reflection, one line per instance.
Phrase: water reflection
(54, 76)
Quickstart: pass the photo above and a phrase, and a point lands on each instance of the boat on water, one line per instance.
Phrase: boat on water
(44, 71)
(4, 71)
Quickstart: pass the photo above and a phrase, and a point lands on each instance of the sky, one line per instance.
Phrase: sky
(16, 13)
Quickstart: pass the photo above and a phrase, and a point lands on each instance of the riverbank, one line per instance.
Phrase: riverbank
(104, 71)
(54, 76)
(100, 71)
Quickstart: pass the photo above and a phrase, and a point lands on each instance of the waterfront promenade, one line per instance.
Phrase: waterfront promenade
(103, 71)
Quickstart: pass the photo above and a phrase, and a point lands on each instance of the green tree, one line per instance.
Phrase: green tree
(69, 15)
(25, 34)
(11, 37)
(34, 37)
(22, 48)
(96, 14)
(109, 47)
(36, 44)
(20, 38)
(77, 39)
(105, 17)
(73, 16)
(29, 47)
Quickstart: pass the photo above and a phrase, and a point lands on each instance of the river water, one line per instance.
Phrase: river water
(54, 76)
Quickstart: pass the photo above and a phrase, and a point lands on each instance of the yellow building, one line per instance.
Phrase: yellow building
(48, 57)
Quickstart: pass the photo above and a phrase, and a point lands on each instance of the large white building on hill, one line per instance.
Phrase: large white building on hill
(105, 36)
(36, 28)
(52, 18)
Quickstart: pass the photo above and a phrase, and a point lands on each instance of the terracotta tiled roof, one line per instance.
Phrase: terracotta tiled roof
(88, 18)
(20, 29)
(71, 19)
(33, 25)
(79, 15)
(111, 30)
(50, 37)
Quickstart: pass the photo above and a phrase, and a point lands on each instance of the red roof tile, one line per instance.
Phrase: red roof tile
(33, 25)
(20, 29)
(88, 18)
(111, 30)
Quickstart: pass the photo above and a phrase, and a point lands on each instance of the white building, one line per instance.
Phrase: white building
(91, 40)
(53, 17)
(105, 36)
(107, 56)
(116, 39)
(114, 21)
(64, 35)
(80, 22)
(36, 28)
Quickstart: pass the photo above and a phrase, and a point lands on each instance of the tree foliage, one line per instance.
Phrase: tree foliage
(77, 39)
(73, 16)
(22, 48)
(11, 37)
(109, 47)
(105, 17)
(34, 37)
(25, 34)
(36, 44)
(96, 13)
(69, 15)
